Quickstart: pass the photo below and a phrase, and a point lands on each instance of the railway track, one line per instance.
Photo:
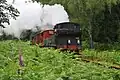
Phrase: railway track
(96, 61)
(85, 58)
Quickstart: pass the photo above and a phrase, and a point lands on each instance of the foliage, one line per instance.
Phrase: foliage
(107, 28)
(48, 64)
(7, 11)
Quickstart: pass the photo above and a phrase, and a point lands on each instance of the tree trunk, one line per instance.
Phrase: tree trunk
(90, 36)
(91, 42)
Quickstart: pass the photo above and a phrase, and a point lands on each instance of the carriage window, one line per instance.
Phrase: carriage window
(55, 30)
(51, 32)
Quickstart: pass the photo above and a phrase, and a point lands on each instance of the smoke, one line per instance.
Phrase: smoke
(35, 14)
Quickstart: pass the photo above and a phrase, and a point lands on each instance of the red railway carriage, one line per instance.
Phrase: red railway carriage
(66, 36)
(40, 37)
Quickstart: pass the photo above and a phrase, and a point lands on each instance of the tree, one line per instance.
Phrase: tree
(7, 11)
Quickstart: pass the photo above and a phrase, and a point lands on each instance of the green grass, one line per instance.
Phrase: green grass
(51, 64)
(107, 56)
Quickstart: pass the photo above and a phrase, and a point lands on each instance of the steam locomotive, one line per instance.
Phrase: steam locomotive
(64, 36)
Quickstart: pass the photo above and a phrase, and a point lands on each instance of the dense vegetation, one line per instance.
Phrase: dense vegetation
(50, 64)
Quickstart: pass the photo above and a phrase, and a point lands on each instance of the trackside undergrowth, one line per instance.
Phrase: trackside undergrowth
(51, 64)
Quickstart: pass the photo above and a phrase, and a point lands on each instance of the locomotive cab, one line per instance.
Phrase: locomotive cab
(68, 36)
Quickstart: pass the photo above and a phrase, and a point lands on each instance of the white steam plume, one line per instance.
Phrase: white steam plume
(34, 14)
